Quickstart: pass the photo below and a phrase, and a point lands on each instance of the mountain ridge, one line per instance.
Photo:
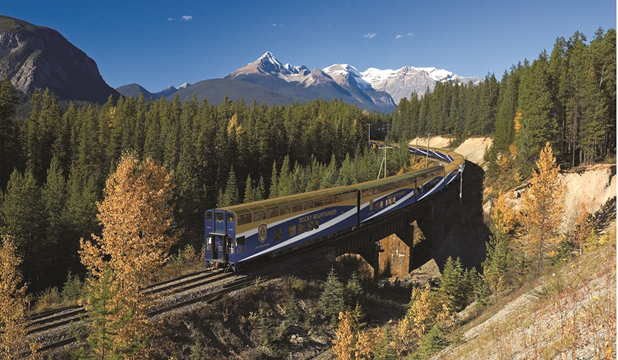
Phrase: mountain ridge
(40, 57)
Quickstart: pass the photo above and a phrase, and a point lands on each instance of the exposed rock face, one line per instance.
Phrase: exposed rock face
(39, 57)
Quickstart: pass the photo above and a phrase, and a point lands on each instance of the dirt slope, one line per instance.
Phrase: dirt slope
(474, 149)
(566, 314)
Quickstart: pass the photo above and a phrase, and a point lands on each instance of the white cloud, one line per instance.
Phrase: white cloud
(370, 35)
(277, 25)
(399, 36)
(183, 18)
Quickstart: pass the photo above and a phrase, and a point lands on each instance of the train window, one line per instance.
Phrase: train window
(230, 217)
(337, 198)
(301, 228)
(244, 219)
(308, 204)
(292, 231)
(296, 207)
(219, 216)
(351, 195)
(316, 224)
(240, 244)
(259, 215)
(209, 216)
(277, 235)
(272, 212)
(328, 200)
(284, 210)
(309, 225)
(318, 202)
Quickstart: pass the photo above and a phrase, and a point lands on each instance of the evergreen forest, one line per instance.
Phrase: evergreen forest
(56, 159)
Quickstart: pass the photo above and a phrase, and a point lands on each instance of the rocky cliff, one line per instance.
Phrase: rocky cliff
(39, 57)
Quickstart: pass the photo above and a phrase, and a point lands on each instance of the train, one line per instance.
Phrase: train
(237, 234)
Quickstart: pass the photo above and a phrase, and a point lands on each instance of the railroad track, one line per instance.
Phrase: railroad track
(59, 317)
(236, 284)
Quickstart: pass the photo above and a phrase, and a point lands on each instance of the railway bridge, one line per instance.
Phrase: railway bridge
(451, 221)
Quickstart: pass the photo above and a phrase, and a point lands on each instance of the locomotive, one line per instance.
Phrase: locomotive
(239, 233)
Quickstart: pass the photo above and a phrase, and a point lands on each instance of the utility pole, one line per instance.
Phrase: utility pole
(461, 168)
(388, 130)
(384, 161)
(416, 149)
(369, 133)
(427, 155)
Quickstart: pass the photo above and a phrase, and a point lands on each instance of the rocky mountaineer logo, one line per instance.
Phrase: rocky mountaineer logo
(262, 232)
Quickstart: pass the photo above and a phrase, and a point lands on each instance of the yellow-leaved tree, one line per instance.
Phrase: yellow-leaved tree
(135, 215)
(541, 209)
(13, 322)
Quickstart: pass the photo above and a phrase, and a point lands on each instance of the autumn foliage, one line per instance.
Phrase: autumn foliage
(541, 209)
(13, 322)
(135, 216)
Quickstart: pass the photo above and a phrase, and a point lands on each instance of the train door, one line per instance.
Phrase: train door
(220, 236)
(209, 221)
(230, 252)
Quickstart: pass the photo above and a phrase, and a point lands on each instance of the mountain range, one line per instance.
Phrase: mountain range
(269, 80)
(39, 57)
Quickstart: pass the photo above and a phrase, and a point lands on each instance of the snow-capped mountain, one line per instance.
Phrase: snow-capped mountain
(316, 84)
(371, 83)
(402, 82)
(268, 64)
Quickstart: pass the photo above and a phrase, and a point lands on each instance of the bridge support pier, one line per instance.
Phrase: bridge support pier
(371, 254)
(396, 260)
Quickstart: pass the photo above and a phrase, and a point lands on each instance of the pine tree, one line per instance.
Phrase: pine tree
(274, 187)
(25, 219)
(434, 341)
(230, 196)
(106, 317)
(353, 291)
(384, 350)
(537, 124)
(451, 292)
(331, 300)
(9, 135)
(260, 191)
(249, 191)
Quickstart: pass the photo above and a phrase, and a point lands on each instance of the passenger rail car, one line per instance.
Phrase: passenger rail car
(238, 233)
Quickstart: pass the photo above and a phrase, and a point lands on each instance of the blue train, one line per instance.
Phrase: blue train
(243, 232)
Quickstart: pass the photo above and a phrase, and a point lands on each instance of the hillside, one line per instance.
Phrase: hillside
(568, 313)
(215, 90)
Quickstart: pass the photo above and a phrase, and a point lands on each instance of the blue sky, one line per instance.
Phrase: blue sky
(160, 43)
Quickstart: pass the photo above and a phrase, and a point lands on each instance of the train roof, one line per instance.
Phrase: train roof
(388, 180)
(290, 199)
(287, 200)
